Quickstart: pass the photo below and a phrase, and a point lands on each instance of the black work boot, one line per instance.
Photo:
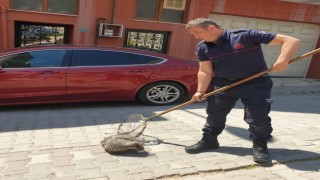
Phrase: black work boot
(208, 142)
(260, 152)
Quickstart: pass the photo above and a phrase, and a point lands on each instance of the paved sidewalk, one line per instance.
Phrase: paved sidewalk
(63, 141)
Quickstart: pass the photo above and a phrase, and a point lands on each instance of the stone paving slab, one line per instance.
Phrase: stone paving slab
(63, 142)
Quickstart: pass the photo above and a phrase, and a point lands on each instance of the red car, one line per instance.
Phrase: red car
(56, 74)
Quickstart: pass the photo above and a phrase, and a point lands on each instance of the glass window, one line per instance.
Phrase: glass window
(161, 10)
(169, 15)
(62, 6)
(150, 59)
(50, 58)
(35, 34)
(32, 5)
(54, 6)
(101, 58)
(147, 9)
(147, 40)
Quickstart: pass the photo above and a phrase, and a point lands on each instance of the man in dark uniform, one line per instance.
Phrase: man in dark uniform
(229, 56)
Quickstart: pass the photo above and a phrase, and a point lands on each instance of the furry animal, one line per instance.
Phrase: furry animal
(122, 143)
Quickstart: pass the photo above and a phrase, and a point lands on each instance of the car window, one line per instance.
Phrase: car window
(98, 57)
(150, 59)
(49, 58)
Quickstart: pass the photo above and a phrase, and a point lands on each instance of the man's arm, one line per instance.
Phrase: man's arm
(289, 46)
(205, 75)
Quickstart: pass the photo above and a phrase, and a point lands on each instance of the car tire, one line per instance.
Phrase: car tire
(161, 93)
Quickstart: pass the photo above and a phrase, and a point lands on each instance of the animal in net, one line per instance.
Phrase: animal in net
(121, 143)
(127, 138)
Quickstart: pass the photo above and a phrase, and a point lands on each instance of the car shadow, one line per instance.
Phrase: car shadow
(59, 106)
(31, 117)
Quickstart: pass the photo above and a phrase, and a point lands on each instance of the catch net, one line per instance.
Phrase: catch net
(133, 125)
(127, 135)
(122, 143)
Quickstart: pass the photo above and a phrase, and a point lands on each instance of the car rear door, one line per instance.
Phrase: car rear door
(105, 74)
(34, 76)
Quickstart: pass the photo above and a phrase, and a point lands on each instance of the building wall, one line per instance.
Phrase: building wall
(183, 45)
(271, 9)
(84, 26)
(3, 27)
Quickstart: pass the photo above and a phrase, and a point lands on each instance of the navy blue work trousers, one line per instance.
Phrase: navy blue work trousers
(254, 94)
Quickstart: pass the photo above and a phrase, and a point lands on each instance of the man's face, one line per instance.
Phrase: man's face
(209, 34)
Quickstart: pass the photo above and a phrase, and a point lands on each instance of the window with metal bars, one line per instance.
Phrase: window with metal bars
(38, 34)
(147, 40)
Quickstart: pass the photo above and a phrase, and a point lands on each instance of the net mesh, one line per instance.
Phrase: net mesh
(127, 138)
(133, 125)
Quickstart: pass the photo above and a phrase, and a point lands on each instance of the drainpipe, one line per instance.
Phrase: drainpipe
(4, 28)
(113, 10)
(99, 20)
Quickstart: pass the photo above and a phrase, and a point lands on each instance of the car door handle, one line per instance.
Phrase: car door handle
(137, 71)
(48, 72)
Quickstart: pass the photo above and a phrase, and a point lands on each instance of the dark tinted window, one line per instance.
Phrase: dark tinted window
(31, 5)
(150, 59)
(54, 6)
(170, 15)
(50, 58)
(62, 6)
(161, 10)
(100, 58)
(147, 9)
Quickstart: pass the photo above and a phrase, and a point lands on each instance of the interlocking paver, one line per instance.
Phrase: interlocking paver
(65, 171)
(13, 166)
(63, 161)
(40, 158)
(63, 141)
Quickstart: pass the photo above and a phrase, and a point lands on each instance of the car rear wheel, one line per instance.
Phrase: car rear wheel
(161, 93)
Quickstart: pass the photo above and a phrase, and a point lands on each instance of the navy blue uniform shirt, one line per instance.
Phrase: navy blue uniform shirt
(237, 54)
